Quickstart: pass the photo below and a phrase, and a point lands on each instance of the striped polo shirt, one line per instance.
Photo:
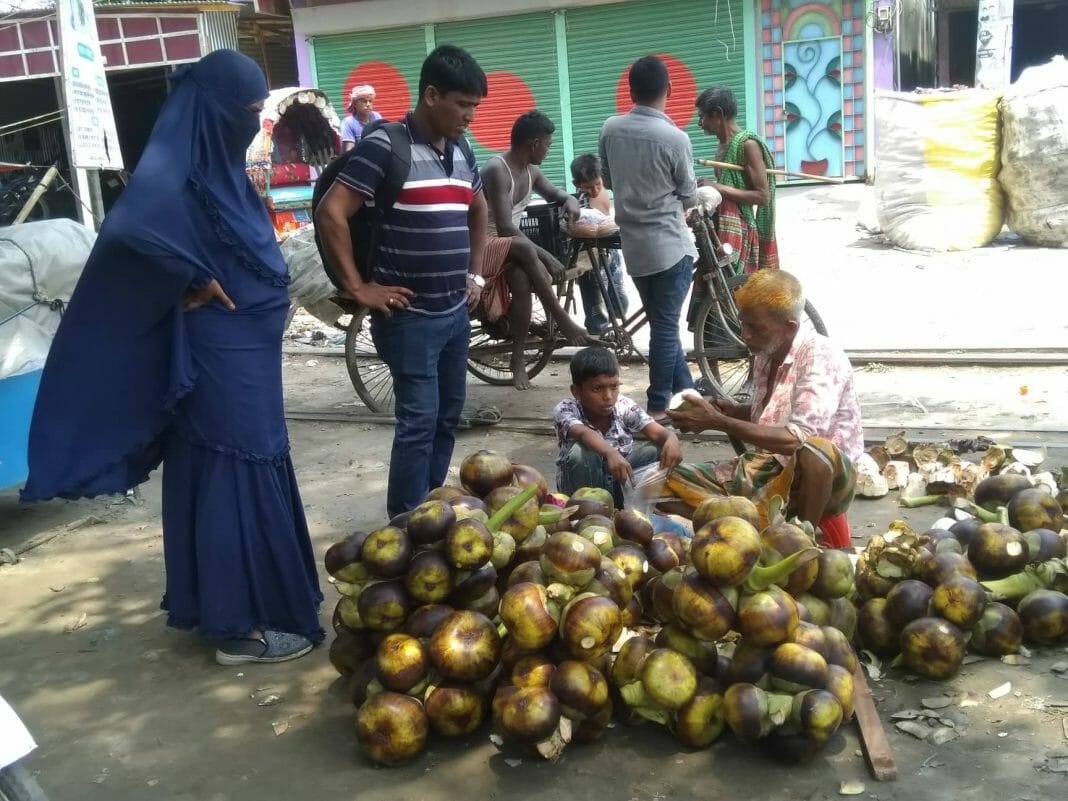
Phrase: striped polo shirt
(424, 243)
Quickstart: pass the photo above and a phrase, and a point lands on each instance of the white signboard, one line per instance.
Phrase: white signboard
(94, 142)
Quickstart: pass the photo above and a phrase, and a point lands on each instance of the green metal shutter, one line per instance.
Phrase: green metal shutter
(603, 41)
(525, 46)
(403, 49)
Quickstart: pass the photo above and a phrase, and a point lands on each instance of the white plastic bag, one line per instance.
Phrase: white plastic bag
(23, 345)
(1034, 154)
(308, 283)
(647, 490)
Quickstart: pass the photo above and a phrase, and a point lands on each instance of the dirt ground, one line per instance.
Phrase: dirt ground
(126, 710)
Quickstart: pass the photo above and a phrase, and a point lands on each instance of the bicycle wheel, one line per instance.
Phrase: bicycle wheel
(619, 337)
(369, 374)
(490, 356)
(723, 358)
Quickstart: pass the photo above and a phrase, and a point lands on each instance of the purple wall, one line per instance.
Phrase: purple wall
(883, 60)
(883, 52)
(304, 70)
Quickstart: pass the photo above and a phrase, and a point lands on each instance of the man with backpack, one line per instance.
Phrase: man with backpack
(415, 260)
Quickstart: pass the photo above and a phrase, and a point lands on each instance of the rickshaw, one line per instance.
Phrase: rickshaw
(298, 136)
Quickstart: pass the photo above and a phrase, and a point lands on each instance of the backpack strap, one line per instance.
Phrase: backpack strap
(400, 164)
(400, 145)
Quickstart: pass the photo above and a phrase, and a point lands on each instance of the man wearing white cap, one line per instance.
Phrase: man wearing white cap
(361, 113)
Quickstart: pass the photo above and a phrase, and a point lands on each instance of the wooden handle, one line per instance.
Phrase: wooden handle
(722, 165)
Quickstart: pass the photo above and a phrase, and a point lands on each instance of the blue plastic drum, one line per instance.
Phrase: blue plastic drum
(17, 396)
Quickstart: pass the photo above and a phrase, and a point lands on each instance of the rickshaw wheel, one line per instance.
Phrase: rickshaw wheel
(369, 374)
(489, 357)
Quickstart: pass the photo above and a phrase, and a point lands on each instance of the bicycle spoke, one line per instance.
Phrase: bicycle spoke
(490, 357)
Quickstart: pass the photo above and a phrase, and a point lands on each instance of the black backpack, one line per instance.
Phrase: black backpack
(364, 225)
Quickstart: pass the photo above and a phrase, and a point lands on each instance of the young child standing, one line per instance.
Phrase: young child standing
(586, 175)
(595, 430)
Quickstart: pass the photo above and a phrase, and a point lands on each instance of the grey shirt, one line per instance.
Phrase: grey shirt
(647, 162)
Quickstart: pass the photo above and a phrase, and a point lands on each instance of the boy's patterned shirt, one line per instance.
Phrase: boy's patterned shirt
(628, 419)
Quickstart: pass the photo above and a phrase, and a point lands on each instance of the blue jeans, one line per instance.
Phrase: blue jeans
(427, 358)
(663, 295)
(584, 468)
(597, 317)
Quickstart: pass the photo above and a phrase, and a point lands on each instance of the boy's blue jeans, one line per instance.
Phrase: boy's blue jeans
(427, 358)
(584, 468)
(597, 317)
(663, 295)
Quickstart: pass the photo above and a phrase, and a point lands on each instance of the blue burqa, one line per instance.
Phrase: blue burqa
(132, 380)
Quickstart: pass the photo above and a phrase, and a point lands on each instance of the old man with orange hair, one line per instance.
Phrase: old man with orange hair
(804, 419)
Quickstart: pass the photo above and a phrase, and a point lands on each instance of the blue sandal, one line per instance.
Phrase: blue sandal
(274, 646)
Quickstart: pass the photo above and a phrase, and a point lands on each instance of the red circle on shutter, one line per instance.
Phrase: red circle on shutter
(509, 96)
(680, 106)
(393, 96)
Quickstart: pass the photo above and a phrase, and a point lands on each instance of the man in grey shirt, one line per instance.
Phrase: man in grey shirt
(648, 165)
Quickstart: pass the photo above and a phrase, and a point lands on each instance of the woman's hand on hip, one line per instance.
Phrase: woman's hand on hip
(195, 298)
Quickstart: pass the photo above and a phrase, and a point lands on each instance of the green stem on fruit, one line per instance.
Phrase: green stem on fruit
(920, 500)
(553, 748)
(1014, 587)
(1050, 575)
(763, 576)
(780, 706)
(983, 514)
(555, 514)
(672, 579)
(560, 593)
(633, 695)
(500, 517)
(655, 714)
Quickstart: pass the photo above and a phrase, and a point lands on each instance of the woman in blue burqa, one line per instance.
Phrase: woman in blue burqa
(170, 351)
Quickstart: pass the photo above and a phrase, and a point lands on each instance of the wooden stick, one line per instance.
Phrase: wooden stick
(872, 736)
(722, 165)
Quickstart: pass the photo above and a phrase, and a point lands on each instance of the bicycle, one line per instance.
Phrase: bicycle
(490, 346)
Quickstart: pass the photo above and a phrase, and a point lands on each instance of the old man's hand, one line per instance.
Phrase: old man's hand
(699, 416)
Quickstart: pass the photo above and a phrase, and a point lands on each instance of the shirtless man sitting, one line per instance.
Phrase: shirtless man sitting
(804, 420)
(513, 266)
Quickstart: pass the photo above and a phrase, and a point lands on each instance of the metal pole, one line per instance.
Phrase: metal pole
(897, 46)
(81, 179)
(96, 196)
